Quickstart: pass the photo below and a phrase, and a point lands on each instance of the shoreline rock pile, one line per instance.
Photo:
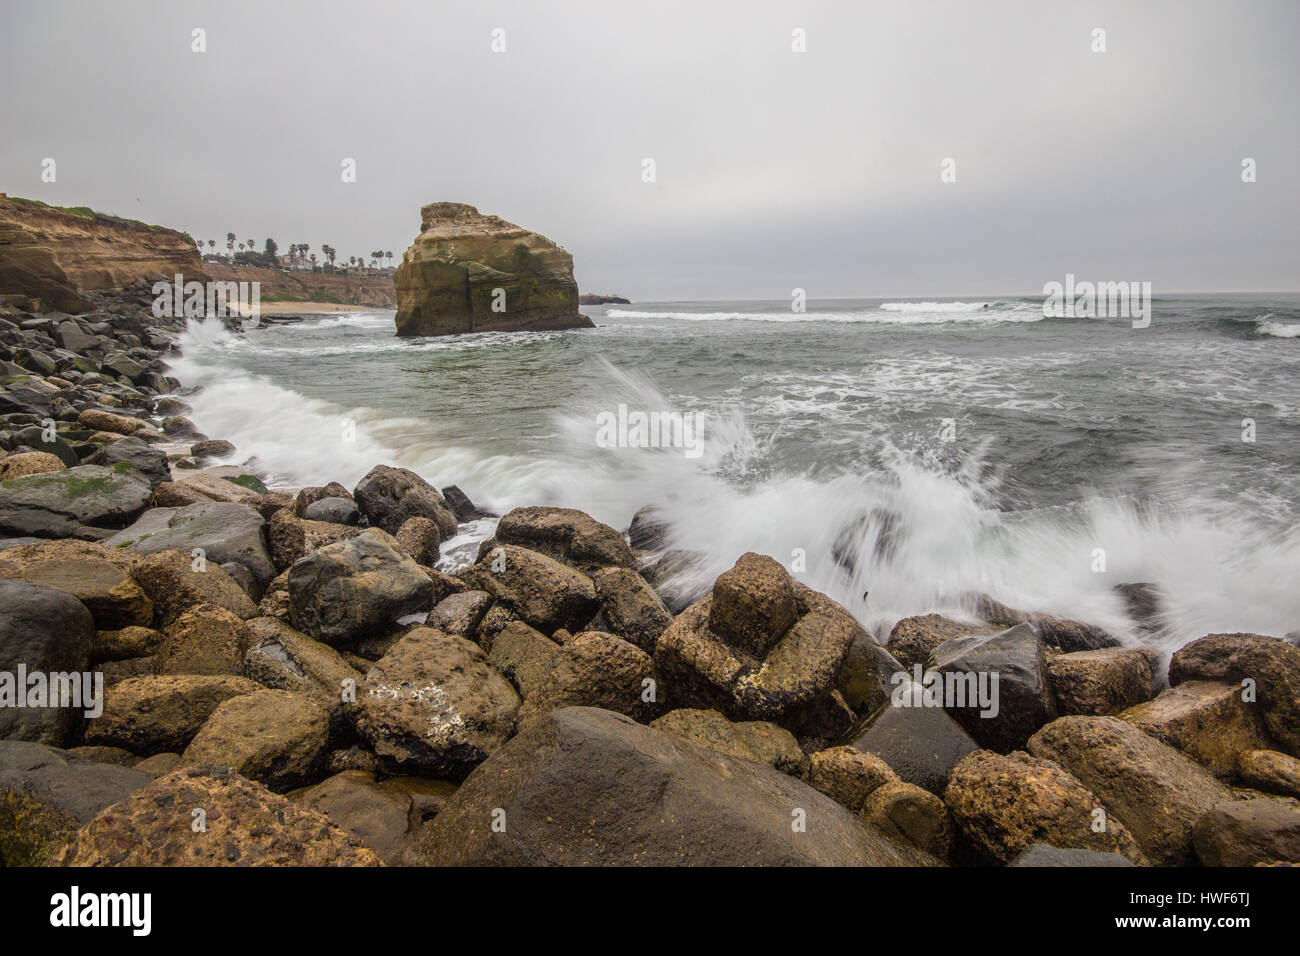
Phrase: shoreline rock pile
(293, 672)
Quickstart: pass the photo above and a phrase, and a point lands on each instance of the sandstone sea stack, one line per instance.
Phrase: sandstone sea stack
(467, 272)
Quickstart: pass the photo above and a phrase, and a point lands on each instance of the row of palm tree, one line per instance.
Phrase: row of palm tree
(300, 254)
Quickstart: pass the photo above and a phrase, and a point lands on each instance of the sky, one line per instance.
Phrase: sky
(774, 169)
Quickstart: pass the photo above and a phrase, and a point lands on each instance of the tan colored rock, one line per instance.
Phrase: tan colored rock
(1263, 832)
(1101, 682)
(97, 576)
(848, 775)
(753, 604)
(204, 640)
(1155, 791)
(908, 812)
(1003, 803)
(914, 639)
(275, 737)
(538, 589)
(29, 463)
(447, 280)
(214, 488)
(109, 422)
(245, 825)
(124, 644)
(175, 586)
(154, 714)
(1271, 771)
(754, 740)
(292, 537)
(1207, 720)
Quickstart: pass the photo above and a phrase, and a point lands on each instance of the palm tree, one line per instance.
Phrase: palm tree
(230, 243)
(389, 257)
(212, 245)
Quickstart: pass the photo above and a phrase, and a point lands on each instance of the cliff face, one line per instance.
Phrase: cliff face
(448, 279)
(276, 286)
(51, 254)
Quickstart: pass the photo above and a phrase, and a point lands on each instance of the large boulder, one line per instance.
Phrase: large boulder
(1101, 683)
(174, 582)
(1004, 803)
(1270, 663)
(281, 657)
(630, 606)
(389, 496)
(588, 787)
(220, 532)
(1012, 667)
(1155, 791)
(380, 813)
(1271, 772)
(99, 577)
(759, 647)
(847, 775)
(206, 639)
(467, 272)
(1248, 833)
(161, 713)
(914, 639)
(292, 537)
(538, 589)
(275, 737)
(244, 824)
(74, 503)
(356, 588)
(43, 630)
(151, 461)
(568, 535)
(1207, 720)
(434, 706)
(46, 794)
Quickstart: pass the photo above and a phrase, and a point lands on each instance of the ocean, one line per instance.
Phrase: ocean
(897, 455)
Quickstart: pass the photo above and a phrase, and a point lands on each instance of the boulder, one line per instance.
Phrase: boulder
(848, 775)
(356, 588)
(1271, 772)
(1272, 663)
(920, 744)
(158, 714)
(245, 825)
(378, 814)
(173, 582)
(703, 667)
(220, 531)
(216, 487)
(206, 639)
(124, 644)
(275, 737)
(630, 607)
(292, 537)
(460, 614)
(1248, 833)
(149, 461)
(338, 510)
(1004, 803)
(97, 576)
(747, 740)
(1021, 700)
(538, 589)
(73, 503)
(46, 794)
(1207, 720)
(908, 812)
(1101, 683)
(388, 496)
(465, 268)
(866, 679)
(434, 706)
(1065, 635)
(567, 535)
(29, 463)
(914, 639)
(46, 631)
(306, 497)
(584, 786)
(419, 537)
(592, 669)
(99, 420)
(1155, 791)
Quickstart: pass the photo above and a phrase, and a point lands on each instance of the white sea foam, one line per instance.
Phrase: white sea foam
(901, 313)
(1280, 330)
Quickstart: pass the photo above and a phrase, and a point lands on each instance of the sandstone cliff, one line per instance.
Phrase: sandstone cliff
(448, 279)
(51, 254)
(280, 286)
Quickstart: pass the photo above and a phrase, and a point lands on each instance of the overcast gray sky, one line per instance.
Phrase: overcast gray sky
(775, 169)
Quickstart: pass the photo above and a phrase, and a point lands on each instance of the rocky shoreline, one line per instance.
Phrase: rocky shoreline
(288, 679)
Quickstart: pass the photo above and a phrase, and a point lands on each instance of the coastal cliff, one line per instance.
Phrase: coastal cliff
(467, 272)
(52, 255)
